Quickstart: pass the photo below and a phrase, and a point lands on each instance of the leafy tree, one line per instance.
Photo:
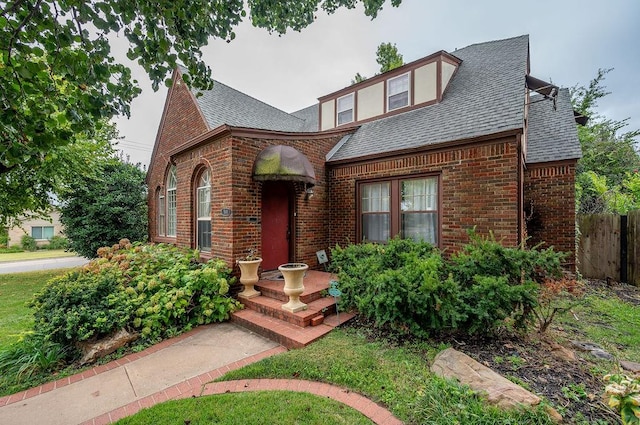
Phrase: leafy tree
(387, 57)
(58, 77)
(100, 210)
(608, 169)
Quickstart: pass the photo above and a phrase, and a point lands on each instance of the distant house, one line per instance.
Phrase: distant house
(42, 230)
(449, 142)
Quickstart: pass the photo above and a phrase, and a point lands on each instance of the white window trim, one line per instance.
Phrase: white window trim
(408, 75)
(42, 232)
(353, 109)
(200, 190)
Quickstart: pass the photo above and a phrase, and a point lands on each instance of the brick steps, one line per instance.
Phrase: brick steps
(265, 316)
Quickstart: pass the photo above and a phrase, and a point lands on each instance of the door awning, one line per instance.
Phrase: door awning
(281, 162)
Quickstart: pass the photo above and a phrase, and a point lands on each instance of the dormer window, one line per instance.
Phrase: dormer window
(345, 109)
(398, 92)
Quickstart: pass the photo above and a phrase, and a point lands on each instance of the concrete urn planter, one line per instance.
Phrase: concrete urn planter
(249, 277)
(293, 274)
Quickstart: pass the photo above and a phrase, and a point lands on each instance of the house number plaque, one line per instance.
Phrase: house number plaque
(225, 212)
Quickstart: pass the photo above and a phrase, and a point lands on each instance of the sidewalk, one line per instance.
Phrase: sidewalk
(178, 368)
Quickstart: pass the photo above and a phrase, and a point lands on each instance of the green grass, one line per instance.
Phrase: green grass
(265, 407)
(607, 321)
(35, 255)
(397, 377)
(15, 291)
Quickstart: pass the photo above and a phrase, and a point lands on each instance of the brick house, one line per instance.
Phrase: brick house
(428, 150)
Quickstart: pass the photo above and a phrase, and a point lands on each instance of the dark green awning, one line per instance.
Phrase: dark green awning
(283, 163)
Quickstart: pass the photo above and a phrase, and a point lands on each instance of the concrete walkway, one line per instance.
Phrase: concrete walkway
(178, 368)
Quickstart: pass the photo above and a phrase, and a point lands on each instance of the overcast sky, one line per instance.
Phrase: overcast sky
(569, 41)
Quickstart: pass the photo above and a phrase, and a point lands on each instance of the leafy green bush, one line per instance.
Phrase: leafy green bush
(28, 243)
(4, 237)
(157, 291)
(409, 286)
(402, 284)
(58, 242)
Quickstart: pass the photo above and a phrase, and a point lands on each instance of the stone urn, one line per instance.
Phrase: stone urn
(249, 277)
(293, 274)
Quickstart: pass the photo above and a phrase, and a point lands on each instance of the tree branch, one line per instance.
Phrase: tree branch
(16, 32)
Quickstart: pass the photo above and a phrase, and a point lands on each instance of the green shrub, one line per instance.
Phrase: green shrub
(4, 237)
(402, 284)
(155, 290)
(58, 242)
(409, 286)
(28, 243)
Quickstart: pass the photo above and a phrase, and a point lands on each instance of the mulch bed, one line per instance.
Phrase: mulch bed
(570, 386)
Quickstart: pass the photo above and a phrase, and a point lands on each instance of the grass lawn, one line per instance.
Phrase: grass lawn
(15, 291)
(35, 255)
(273, 407)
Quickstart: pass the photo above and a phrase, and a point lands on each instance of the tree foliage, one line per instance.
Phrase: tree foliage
(607, 174)
(59, 79)
(388, 58)
(100, 210)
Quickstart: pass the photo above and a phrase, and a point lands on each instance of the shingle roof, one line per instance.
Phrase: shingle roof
(552, 134)
(310, 115)
(485, 96)
(225, 105)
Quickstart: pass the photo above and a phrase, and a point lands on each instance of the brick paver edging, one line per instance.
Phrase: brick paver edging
(197, 387)
(63, 382)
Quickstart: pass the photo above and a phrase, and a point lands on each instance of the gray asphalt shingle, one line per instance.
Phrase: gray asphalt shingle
(552, 134)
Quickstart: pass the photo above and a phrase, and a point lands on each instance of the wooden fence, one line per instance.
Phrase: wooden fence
(609, 246)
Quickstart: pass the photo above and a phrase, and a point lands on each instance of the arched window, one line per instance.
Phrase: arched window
(203, 205)
(172, 184)
(161, 224)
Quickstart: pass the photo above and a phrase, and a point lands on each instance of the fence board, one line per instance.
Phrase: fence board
(599, 246)
(633, 247)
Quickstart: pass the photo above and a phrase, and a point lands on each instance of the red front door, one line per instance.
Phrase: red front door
(276, 224)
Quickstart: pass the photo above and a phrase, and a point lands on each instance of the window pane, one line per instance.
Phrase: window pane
(419, 195)
(376, 227)
(161, 223)
(171, 212)
(398, 92)
(204, 235)
(47, 232)
(36, 232)
(375, 197)
(345, 109)
(345, 116)
(420, 226)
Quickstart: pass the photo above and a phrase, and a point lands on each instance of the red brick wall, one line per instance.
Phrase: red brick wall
(478, 187)
(311, 219)
(550, 189)
(181, 122)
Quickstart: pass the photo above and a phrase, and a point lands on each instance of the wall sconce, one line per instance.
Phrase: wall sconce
(308, 193)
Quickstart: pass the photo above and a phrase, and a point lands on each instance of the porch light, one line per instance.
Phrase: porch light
(308, 193)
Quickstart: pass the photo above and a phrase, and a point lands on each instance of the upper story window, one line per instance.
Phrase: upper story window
(172, 203)
(398, 92)
(345, 109)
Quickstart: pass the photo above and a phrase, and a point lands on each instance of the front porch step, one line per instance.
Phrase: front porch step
(273, 308)
(315, 286)
(264, 314)
(286, 334)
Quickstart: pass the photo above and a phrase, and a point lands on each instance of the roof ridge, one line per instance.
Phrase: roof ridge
(484, 43)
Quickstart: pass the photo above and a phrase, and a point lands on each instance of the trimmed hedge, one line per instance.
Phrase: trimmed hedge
(410, 287)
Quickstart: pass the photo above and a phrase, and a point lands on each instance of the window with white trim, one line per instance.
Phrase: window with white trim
(172, 203)
(42, 232)
(407, 207)
(161, 225)
(203, 205)
(398, 92)
(344, 109)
